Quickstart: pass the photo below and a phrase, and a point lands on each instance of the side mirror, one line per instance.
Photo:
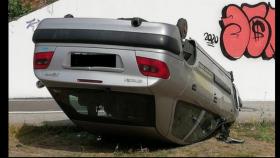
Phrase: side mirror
(189, 52)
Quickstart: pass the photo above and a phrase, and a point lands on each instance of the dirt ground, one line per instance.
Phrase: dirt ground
(45, 140)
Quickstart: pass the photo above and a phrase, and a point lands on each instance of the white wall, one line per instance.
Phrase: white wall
(255, 78)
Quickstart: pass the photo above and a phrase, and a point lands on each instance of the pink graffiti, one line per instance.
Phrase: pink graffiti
(248, 30)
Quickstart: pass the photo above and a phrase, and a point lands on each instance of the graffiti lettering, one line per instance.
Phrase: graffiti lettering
(32, 23)
(258, 33)
(211, 39)
(248, 30)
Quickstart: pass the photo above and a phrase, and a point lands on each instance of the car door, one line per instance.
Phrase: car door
(201, 82)
(203, 85)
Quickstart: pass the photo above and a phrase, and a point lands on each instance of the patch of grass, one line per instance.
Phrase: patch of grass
(16, 9)
(49, 135)
(243, 154)
(19, 8)
(13, 130)
(71, 141)
(263, 131)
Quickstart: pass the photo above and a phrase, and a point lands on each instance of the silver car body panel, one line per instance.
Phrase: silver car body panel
(108, 24)
(209, 78)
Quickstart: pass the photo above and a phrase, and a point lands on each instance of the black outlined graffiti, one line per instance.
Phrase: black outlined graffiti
(32, 23)
(211, 39)
(248, 30)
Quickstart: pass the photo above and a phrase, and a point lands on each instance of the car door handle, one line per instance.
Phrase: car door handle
(215, 99)
(194, 87)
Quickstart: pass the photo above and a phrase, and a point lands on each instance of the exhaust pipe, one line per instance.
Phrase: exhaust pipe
(40, 84)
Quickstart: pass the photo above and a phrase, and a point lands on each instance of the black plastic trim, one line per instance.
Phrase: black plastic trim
(222, 84)
(214, 62)
(136, 39)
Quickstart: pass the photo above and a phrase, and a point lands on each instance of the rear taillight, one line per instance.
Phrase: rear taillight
(42, 60)
(152, 67)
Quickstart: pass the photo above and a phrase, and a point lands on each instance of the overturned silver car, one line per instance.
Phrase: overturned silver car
(135, 78)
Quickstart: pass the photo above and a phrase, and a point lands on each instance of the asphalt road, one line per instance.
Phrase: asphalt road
(33, 105)
(40, 111)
